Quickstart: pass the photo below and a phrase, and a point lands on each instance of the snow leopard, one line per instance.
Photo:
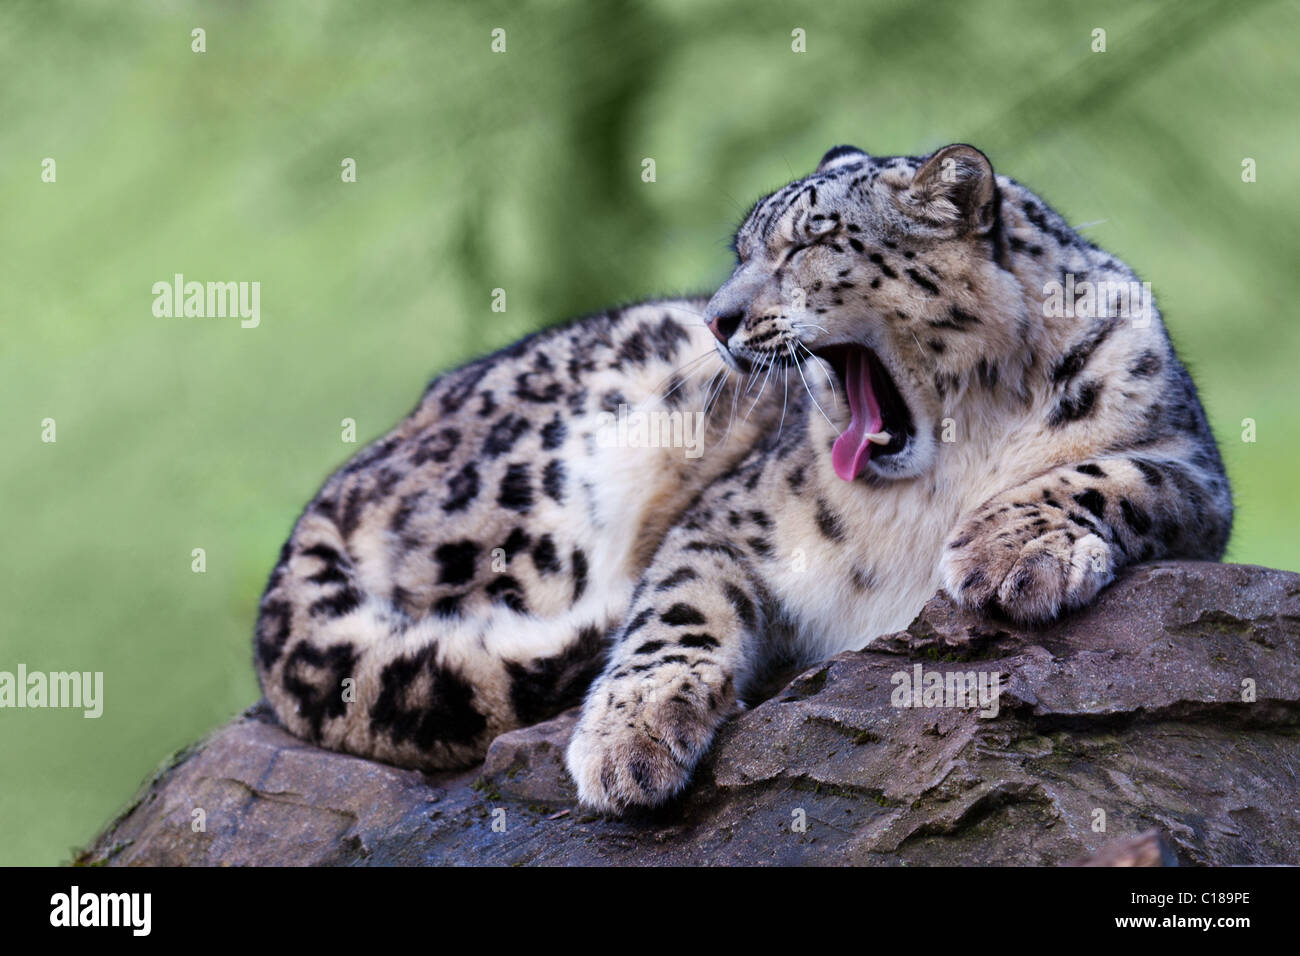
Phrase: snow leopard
(918, 377)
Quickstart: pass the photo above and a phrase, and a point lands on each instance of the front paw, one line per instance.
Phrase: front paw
(1032, 577)
(638, 754)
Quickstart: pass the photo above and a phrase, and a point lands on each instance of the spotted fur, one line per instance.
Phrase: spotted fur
(493, 559)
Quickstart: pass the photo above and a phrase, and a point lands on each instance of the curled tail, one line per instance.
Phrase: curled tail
(353, 670)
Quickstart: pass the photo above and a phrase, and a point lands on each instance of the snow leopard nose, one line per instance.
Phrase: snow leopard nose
(724, 325)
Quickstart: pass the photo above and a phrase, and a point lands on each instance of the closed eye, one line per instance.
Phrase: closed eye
(792, 252)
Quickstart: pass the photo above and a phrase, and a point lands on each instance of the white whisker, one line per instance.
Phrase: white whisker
(924, 357)
(707, 391)
(716, 391)
(785, 398)
(653, 399)
(735, 396)
(754, 377)
(822, 366)
(680, 369)
(799, 367)
(771, 364)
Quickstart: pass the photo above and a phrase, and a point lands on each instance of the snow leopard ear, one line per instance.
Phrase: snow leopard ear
(839, 156)
(955, 186)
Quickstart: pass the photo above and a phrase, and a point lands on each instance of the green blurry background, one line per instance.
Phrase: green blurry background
(519, 171)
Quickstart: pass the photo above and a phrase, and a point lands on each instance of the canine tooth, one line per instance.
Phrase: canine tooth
(880, 438)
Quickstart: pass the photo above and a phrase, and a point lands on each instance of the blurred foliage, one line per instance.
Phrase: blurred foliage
(522, 171)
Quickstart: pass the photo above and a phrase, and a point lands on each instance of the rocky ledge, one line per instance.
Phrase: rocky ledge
(1160, 726)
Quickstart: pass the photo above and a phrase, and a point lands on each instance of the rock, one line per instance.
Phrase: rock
(1133, 716)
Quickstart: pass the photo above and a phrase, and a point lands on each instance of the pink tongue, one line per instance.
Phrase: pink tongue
(852, 449)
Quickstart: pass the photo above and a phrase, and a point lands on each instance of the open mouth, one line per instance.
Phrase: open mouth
(880, 424)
